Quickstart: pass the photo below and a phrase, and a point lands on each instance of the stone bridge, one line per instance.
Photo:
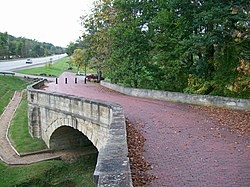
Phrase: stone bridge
(65, 121)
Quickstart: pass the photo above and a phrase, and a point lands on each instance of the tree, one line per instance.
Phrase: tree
(168, 47)
(98, 36)
(199, 38)
(79, 59)
(131, 43)
(4, 45)
(192, 46)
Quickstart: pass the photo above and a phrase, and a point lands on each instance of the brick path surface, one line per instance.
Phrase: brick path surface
(184, 146)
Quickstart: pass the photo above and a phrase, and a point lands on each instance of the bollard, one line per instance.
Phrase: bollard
(66, 80)
(56, 81)
(75, 80)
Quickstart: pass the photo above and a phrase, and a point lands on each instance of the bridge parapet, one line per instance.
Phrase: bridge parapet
(103, 123)
(206, 100)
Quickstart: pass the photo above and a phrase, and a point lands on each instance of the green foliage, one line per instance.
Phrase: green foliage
(12, 47)
(168, 49)
(98, 38)
(79, 44)
(132, 52)
(197, 85)
(79, 58)
(175, 45)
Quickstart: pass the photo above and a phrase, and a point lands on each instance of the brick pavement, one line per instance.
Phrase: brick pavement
(184, 146)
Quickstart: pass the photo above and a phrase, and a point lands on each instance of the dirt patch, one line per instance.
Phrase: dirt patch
(138, 164)
(72, 155)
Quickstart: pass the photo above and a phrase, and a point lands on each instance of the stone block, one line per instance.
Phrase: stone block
(95, 112)
(87, 109)
(104, 114)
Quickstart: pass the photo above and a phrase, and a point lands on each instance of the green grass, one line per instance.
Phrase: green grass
(50, 70)
(19, 133)
(50, 173)
(55, 69)
(8, 85)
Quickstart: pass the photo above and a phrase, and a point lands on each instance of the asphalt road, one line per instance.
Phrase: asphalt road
(21, 64)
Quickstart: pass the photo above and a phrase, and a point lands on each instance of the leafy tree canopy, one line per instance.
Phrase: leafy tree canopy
(194, 46)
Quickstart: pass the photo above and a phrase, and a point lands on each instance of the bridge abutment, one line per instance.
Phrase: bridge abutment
(34, 121)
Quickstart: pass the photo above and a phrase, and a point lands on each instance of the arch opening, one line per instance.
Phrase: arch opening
(66, 137)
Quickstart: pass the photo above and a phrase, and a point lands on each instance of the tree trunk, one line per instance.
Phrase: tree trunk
(135, 83)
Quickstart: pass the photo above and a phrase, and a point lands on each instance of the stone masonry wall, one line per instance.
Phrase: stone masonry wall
(103, 123)
(243, 104)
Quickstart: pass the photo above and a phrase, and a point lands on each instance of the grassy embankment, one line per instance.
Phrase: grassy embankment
(54, 69)
(49, 173)
(8, 85)
(50, 69)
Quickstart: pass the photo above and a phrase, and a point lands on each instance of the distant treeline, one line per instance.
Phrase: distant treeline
(13, 47)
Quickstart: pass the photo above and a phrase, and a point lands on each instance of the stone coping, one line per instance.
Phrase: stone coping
(207, 100)
(113, 167)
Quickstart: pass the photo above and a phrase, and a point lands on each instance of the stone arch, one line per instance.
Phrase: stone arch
(84, 127)
(66, 137)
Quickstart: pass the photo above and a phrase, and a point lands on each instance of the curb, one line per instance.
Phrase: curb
(36, 152)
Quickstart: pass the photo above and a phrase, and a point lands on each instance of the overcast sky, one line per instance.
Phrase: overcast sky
(52, 21)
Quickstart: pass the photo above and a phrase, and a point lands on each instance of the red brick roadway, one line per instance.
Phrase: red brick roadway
(184, 146)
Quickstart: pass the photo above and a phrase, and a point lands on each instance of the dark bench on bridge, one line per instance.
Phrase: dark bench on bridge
(7, 73)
